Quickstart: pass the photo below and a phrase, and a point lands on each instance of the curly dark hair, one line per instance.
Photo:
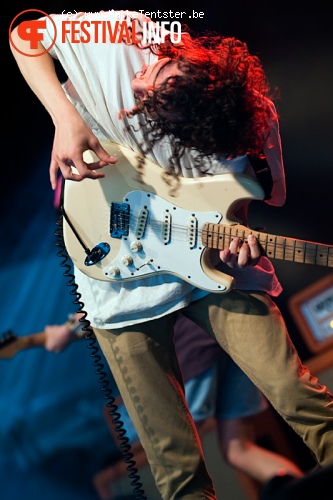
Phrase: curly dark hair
(218, 106)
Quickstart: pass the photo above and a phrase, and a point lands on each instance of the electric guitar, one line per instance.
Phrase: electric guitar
(130, 225)
(11, 344)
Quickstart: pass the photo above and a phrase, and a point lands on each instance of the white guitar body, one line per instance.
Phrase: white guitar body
(144, 227)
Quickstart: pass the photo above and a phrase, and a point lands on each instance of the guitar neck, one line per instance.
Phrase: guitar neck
(219, 236)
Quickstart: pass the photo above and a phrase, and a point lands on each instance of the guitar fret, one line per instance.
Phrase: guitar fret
(306, 255)
(219, 236)
(277, 248)
(270, 247)
(266, 242)
(206, 235)
(294, 251)
(227, 237)
(324, 256)
(309, 256)
(300, 252)
(284, 248)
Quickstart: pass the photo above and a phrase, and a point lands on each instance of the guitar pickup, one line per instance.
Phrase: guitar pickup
(166, 227)
(142, 222)
(192, 231)
(119, 219)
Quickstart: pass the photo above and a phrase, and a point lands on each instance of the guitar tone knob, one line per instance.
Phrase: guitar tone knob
(126, 260)
(114, 271)
(136, 246)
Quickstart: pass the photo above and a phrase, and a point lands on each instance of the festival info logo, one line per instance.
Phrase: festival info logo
(126, 27)
(32, 31)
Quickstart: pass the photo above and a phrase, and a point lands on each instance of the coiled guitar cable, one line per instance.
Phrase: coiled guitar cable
(120, 430)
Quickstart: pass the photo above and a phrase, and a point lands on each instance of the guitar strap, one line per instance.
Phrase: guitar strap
(263, 173)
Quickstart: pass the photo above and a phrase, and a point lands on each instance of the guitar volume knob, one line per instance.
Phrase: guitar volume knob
(114, 271)
(136, 246)
(126, 260)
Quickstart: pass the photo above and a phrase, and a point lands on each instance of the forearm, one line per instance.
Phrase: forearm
(40, 74)
(72, 135)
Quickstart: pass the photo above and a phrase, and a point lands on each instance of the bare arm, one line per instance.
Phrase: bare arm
(72, 135)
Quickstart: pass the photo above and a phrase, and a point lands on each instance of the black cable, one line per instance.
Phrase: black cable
(128, 456)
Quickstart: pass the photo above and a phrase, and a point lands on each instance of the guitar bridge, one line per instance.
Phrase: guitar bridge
(119, 219)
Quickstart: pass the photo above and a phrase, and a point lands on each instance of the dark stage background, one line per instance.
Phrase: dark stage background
(51, 405)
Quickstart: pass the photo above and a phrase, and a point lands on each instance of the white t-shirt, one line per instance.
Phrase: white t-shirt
(99, 84)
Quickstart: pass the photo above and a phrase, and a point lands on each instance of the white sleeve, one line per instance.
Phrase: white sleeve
(100, 71)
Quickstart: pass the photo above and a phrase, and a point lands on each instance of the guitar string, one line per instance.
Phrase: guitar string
(280, 246)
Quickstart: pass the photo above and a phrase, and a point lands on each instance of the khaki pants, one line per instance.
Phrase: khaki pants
(250, 328)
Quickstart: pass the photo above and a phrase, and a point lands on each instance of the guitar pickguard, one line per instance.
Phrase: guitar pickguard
(166, 239)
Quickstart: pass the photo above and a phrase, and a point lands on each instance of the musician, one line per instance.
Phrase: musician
(196, 107)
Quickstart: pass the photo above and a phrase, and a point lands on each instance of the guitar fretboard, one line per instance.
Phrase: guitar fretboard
(219, 236)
